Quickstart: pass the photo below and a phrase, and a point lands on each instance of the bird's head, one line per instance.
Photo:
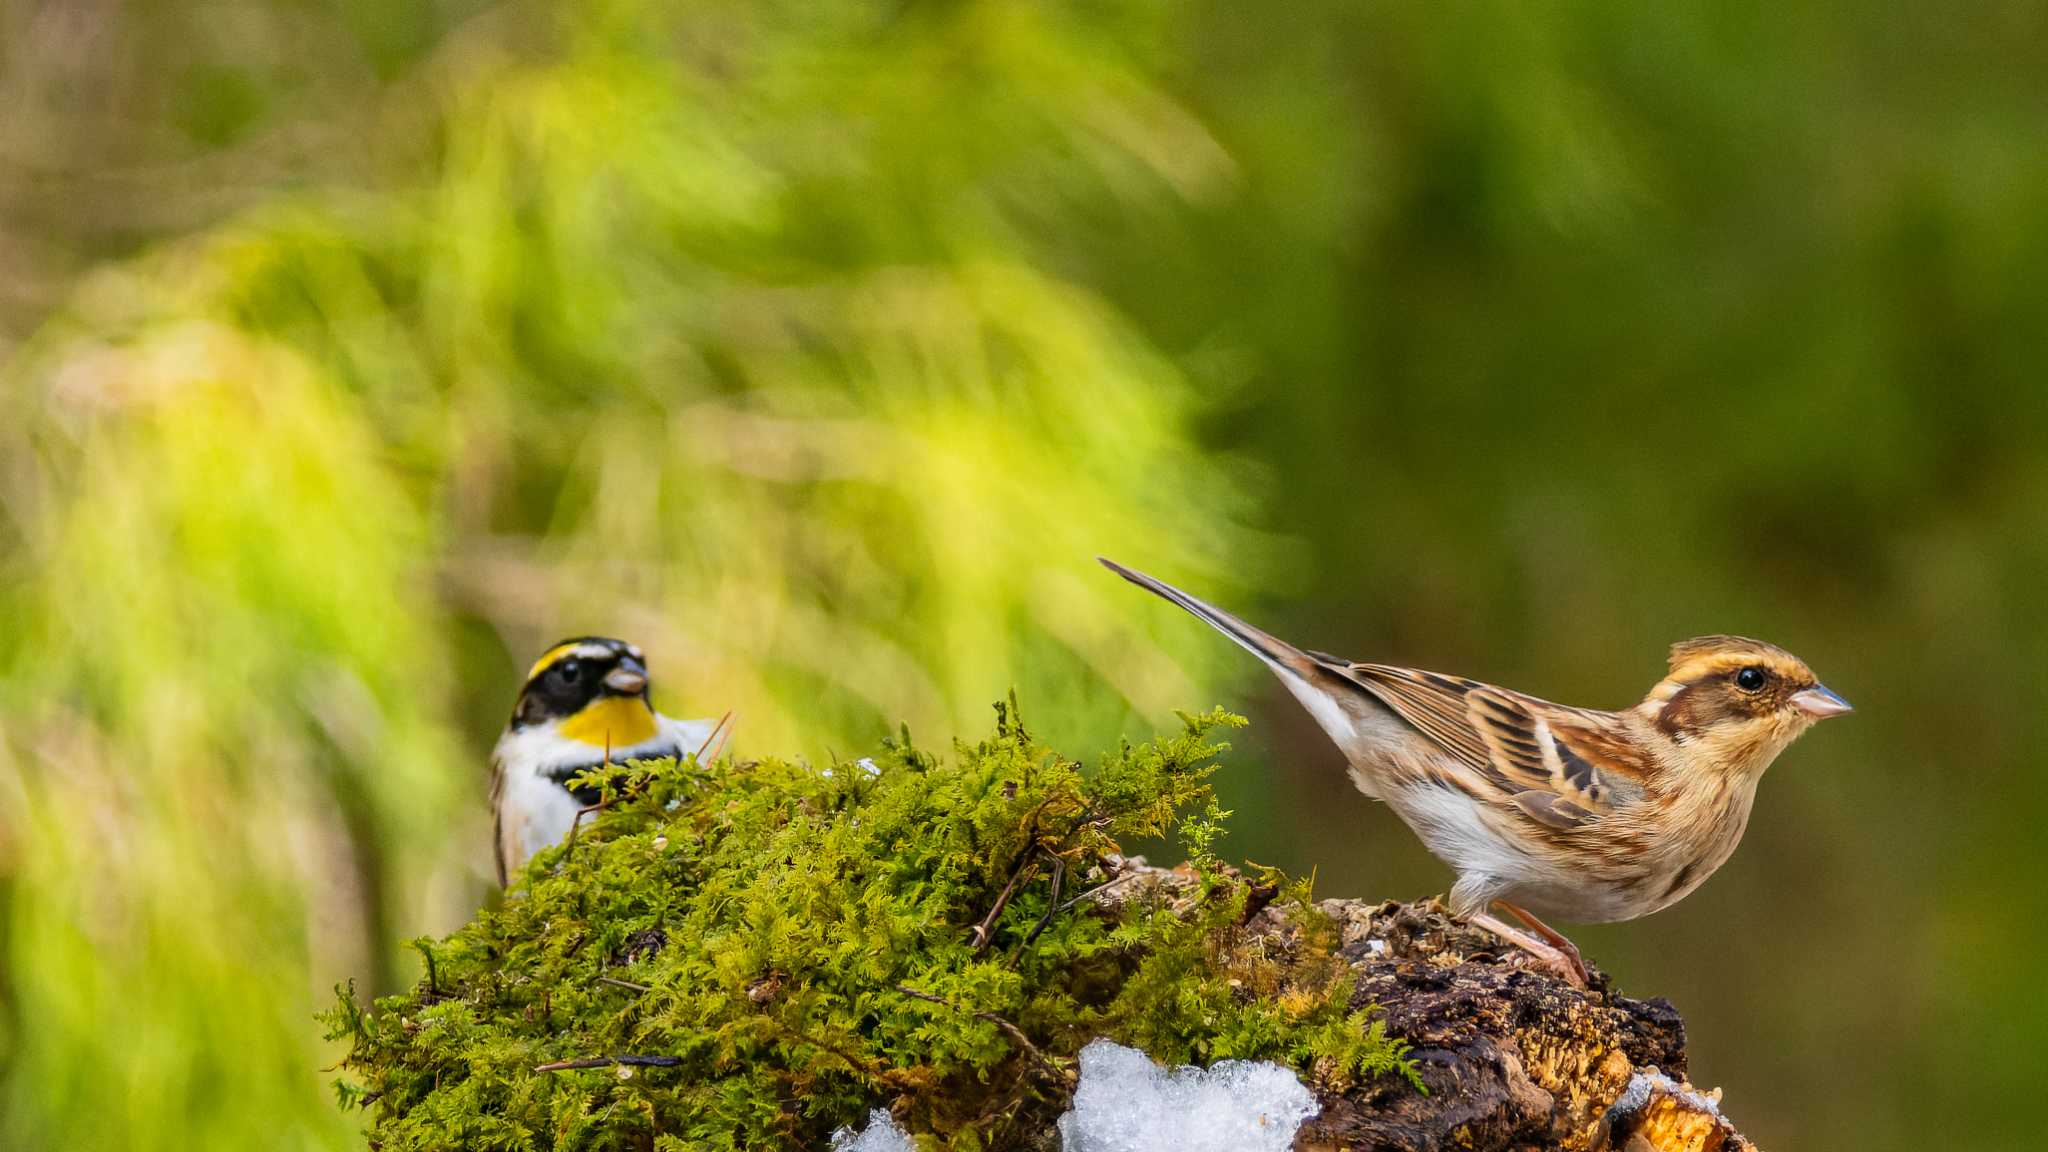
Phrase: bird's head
(1738, 702)
(594, 688)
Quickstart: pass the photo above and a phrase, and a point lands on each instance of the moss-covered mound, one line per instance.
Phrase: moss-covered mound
(749, 955)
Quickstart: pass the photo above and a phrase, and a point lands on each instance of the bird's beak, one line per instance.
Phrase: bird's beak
(1819, 702)
(630, 678)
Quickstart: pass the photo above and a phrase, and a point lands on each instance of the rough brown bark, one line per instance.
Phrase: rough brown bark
(1514, 1058)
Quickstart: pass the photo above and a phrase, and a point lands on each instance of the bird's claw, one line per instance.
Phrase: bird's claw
(1552, 952)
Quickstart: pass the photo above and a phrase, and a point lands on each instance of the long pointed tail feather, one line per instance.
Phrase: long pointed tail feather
(1278, 653)
(1356, 719)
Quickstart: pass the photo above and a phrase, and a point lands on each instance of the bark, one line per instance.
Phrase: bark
(1514, 1058)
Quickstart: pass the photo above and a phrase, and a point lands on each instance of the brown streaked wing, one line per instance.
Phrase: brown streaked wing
(498, 818)
(1595, 755)
(1434, 704)
(1497, 733)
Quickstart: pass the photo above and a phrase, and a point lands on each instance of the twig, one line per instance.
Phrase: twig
(1015, 1033)
(857, 1062)
(1059, 874)
(628, 985)
(720, 733)
(1102, 887)
(1080, 822)
(608, 1061)
(984, 932)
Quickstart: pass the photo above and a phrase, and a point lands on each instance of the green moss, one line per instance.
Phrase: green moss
(790, 946)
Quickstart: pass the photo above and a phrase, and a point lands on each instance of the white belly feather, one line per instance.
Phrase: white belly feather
(1490, 866)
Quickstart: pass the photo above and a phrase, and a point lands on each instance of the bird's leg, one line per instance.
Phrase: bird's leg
(1551, 936)
(1557, 954)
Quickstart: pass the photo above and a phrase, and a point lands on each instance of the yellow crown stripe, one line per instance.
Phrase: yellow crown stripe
(582, 648)
(549, 657)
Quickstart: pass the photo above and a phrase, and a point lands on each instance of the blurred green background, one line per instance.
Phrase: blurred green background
(350, 353)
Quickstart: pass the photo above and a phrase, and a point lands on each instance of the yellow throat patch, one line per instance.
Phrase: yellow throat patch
(612, 721)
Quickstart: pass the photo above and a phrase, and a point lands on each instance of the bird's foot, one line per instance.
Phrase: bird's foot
(1551, 936)
(1556, 954)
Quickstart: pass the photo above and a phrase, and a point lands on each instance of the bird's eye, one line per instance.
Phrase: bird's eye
(1750, 679)
(570, 671)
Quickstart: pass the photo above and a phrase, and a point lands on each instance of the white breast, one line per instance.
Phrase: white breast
(534, 811)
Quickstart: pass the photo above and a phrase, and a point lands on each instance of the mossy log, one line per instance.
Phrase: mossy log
(750, 955)
(1513, 1058)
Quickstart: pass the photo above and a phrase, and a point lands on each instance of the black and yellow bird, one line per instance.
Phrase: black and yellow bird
(584, 703)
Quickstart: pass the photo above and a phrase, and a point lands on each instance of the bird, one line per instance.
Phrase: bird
(583, 705)
(1542, 809)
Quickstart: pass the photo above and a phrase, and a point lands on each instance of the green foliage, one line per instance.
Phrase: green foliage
(608, 328)
(793, 945)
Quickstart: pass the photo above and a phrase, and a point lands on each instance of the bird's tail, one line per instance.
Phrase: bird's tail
(1355, 719)
(1278, 654)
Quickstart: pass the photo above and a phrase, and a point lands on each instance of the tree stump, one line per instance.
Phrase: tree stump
(1514, 1059)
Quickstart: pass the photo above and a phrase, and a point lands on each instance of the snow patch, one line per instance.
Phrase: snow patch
(1126, 1103)
(1643, 1087)
(881, 1135)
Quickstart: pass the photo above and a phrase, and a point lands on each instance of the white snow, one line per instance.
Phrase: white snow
(1126, 1103)
(881, 1135)
(1644, 1086)
(866, 764)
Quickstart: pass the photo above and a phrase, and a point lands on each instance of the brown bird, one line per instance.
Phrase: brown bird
(1584, 815)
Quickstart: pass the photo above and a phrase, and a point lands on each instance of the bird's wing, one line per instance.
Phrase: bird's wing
(703, 738)
(1559, 766)
(498, 816)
